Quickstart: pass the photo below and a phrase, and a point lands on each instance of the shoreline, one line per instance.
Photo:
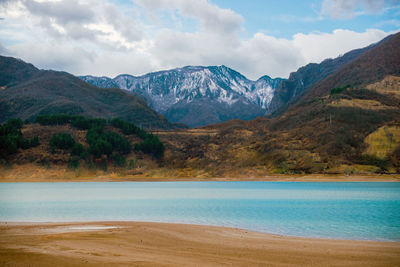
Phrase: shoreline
(80, 223)
(270, 178)
(171, 244)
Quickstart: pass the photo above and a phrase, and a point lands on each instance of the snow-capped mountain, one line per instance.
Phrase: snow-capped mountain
(102, 82)
(217, 91)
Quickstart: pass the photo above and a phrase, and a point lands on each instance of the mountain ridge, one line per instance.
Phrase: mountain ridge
(264, 96)
(177, 89)
(27, 92)
(307, 76)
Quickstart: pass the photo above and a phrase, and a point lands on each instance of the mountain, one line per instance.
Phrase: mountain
(346, 118)
(348, 123)
(197, 95)
(200, 96)
(26, 92)
(305, 77)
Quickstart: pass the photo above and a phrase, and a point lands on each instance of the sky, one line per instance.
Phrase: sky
(256, 38)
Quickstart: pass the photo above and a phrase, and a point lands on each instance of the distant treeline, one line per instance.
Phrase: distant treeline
(76, 121)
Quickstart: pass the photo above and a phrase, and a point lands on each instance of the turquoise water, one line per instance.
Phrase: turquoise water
(356, 210)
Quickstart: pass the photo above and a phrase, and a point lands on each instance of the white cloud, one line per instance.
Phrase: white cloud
(346, 9)
(103, 39)
(55, 56)
(315, 47)
(93, 20)
(212, 18)
(63, 12)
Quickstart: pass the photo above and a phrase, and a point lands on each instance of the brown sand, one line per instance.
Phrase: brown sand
(161, 244)
(112, 177)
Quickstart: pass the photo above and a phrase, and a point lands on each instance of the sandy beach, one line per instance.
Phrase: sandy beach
(162, 244)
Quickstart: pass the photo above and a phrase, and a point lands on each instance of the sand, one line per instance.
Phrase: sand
(116, 178)
(162, 244)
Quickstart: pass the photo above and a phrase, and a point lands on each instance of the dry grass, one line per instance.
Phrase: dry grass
(383, 141)
(390, 85)
(360, 103)
(188, 132)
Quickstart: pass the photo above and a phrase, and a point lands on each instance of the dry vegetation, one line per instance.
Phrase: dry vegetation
(321, 136)
(383, 142)
(317, 137)
(390, 86)
(360, 103)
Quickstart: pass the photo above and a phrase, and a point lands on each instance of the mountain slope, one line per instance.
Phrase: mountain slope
(332, 121)
(305, 77)
(195, 90)
(27, 92)
(381, 60)
(332, 128)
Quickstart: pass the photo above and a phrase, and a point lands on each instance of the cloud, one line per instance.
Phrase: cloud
(3, 50)
(259, 55)
(346, 9)
(56, 57)
(63, 12)
(212, 18)
(105, 39)
(315, 47)
(391, 22)
(124, 24)
(97, 21)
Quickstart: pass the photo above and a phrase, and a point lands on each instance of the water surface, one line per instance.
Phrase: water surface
(345, 210)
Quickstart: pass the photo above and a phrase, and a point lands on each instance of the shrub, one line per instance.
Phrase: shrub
(9, 144)
(78, 150)
(118, 159)
(118, 142)
(100, 147)
(151, 145)
(338, 90)
(76, 121)
(395, 158)
(128, 128)
(383, 164)
(25, 143)
(103, 143)
(73, 163)
(86, 123)
(94, 134)
(10, 137)
(15, 123)
(62, 141)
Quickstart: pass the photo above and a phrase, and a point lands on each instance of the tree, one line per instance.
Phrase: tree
(151, 145)
(100, 147)
(78, 150)
(62, 141)
(26, 143)
(128, 128)
(10, 136)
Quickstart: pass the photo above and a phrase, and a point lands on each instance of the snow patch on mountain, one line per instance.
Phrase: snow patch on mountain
(164, 89)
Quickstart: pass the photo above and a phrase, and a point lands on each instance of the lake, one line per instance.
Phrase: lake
(340, 210)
